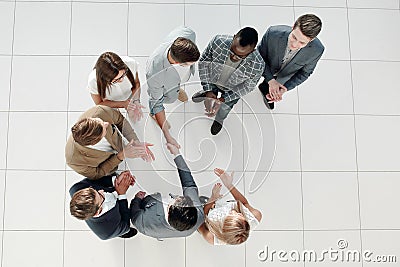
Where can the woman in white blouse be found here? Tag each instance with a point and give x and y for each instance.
(228, 222)
(114, 82)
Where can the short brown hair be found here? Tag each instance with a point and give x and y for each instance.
(184, 50)
(82, 205)
(87, 131)
(309, 25)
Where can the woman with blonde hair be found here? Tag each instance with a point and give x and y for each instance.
(228, 223)
(114, 82)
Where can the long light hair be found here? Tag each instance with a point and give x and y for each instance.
(235, 228)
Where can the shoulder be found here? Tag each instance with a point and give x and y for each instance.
(188, 33)
(79, 186)
(155, 62)
(221, 41)
(92, 81)
(256, 60)
(277, 31)
(317, 45)
(103, 112)
(131, 63)
(182, 31)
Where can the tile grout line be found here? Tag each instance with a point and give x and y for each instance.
(184, 136)
(211, 170)
(300, 157)
(355, 132)
(146, 56)
(8, 131)
(127, 30)
(66, 126)
(125, 163)
(243, 157)
(245, 113)
(184, 12)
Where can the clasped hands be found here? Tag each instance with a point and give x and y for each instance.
(212, 104)
(276, 90)
(134, 109)
(123, 181)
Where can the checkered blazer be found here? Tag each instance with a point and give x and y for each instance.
(211, 64)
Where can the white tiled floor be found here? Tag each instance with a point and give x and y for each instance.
(323, 167)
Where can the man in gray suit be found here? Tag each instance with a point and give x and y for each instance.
(170, 65)
(291, 55)
(173, 216)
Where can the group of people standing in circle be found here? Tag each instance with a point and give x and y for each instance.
(229, 68)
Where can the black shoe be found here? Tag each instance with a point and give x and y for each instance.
(132, 232)
(199, 97)
(216, 128)
(264, 88)
(271, 105)
(264, 91)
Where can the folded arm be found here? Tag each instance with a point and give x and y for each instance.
(245, 87)
(93, 173)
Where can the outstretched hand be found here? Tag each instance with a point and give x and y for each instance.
(135, 112)
(173, 149)
(226, 179)
(216, 192)
(148, 156)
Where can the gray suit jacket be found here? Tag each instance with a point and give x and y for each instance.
(272, 49)
(148, 214)
(160, 74)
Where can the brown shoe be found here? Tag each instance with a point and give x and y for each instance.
(182, 95)
(166, 122)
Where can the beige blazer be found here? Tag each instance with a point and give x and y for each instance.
(93, 163)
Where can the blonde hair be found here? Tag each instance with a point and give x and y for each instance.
(87, 131)
(235, 228)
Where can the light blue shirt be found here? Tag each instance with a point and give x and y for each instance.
(161, 76)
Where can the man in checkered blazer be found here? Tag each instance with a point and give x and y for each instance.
(230, 66)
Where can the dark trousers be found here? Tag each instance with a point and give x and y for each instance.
(264, 88)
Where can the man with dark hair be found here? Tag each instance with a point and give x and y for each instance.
(229, 66)
(95, 147)
(291, 55)
(173, 216)
(170, 65)
(103, 205)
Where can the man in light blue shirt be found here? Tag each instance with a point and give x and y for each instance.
(170, 65)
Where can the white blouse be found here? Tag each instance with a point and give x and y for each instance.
(118, 91)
